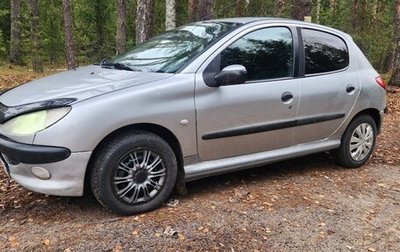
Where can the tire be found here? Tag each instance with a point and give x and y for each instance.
(134, 172)
(348, 154)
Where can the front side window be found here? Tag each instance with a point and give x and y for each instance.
(266, 54)
(324, 52)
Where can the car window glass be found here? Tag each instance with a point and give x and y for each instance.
(324, 52)
(266, 53)
(170, 51)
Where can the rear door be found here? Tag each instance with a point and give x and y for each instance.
(257, 115)
(330, 87)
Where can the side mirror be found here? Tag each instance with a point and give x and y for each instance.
(231, 75)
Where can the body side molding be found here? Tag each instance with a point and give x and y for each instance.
(271, 126)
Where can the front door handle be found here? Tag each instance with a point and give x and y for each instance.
(287, 97)
(350, 88)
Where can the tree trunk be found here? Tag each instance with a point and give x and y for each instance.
(239, 8)
(206, 9)
(121, 26)
(364, 15)
(318, 11)
(15, 36)
(144, 20)
(37, 64)
(170, 15)
(395, 78)
(100, 28)
(354, 20)
(389, 62)
(279, 7)
(301, 9)
(374, 9)
(192, 10)
(332, 5)
(52, 39)
(69, 44)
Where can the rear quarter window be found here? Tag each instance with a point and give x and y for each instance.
(324, 52)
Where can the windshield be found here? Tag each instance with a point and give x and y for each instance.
(168, 52)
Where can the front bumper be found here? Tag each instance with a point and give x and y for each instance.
(67, 177)
(66, 170)
(31, 154)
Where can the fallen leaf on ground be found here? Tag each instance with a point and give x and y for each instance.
(13, 241)
(117, 248)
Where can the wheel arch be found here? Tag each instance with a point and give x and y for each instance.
(374, 113)
(161, 131)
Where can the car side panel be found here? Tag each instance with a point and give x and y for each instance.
(167, 103)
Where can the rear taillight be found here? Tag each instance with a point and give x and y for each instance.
(380, 82)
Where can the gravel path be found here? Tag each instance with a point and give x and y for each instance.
(306, 204)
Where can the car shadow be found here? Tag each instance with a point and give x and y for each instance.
(87, 208)
(320, 162)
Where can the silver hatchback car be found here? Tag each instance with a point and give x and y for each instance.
(204, 99)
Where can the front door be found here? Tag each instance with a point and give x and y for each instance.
(255, 116)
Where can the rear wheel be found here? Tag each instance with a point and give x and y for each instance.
(357, 143)
(135, 172)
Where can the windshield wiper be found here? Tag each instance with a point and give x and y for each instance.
(119, 66)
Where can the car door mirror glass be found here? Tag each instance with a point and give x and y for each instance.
(231, 75)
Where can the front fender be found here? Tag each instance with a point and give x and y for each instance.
(161, 103)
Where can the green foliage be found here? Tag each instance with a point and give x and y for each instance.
(4, 28)
(94, 29)
(94, 25)
(51, 24)
(373, 32)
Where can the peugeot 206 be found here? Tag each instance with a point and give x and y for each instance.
(203, 99)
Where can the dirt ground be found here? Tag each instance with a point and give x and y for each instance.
(306, 204)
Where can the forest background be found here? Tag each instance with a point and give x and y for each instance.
(43, 34)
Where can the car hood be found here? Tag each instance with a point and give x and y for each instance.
(80, 84)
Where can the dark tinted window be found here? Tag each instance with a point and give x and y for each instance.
(266, 53)
(324, 52)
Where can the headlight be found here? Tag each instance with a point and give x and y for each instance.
(31, 123)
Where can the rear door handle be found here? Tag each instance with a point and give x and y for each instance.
(350, 88)
(287, 97)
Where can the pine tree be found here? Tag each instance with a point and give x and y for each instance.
(144, 20)
(69, 46)
(170, 14)
(192, 6)
(15, 36)
(395, 79)
(301, 9)
(121, 26)
(206, 11)
(37, 64)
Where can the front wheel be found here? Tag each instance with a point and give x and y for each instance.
(358, 142)
(134, 172)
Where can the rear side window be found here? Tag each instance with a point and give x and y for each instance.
(266, 54)
(324, 52)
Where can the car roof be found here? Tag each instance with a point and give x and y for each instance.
(247, 20)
